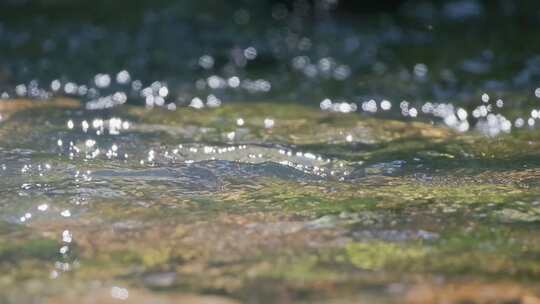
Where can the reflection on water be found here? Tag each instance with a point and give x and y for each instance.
(210, 152)
(416, 63)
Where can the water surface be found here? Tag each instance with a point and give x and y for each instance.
(281, 155)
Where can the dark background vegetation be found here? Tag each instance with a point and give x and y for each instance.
(72, 40)
(126, 11)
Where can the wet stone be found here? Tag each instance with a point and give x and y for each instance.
(169, 207)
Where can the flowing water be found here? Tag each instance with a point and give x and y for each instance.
(242, 152)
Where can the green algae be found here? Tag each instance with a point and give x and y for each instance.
(294, 124)
(486, 251)
(376, 255)
(38, 249)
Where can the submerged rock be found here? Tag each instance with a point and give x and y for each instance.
(319, 204)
